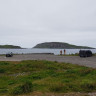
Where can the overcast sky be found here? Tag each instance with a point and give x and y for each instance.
(29, 22)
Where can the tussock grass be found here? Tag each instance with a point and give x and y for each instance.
(45, 76)
(24, 88)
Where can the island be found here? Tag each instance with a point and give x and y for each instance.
(60, 45)
(10, 46)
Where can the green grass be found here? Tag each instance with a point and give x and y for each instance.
(76, 54)
(45, 76)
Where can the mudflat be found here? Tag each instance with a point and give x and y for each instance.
(89, 61)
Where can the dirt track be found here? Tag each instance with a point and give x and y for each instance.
(90, 61)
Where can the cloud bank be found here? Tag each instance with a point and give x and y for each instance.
(28, 22)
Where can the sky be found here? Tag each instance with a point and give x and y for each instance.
(28, 22)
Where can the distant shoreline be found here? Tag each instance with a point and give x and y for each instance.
(42, 51)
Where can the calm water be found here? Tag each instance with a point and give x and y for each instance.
(36, 50)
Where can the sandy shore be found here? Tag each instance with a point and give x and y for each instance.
(90, 61)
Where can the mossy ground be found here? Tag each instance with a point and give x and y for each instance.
(46, 76)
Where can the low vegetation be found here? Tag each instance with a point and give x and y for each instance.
(10, 46)
(76, 54)
(46, 77)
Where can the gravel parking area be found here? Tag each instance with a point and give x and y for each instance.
(89, 61)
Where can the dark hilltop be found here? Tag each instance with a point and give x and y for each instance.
(60, 45)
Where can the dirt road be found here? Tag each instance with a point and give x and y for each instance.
(89, 62)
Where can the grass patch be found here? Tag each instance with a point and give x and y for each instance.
(24, 88)
(45, 76)
(76, 54)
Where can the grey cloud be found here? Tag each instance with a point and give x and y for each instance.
(38, 20)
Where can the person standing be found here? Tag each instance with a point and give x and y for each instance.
(64, 51)
(60, 52)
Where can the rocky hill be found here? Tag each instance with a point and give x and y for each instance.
(10, 46)
(60, 45)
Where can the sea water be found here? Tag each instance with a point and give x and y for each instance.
(40, 50)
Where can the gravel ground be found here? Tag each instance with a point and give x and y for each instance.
(89, 61)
